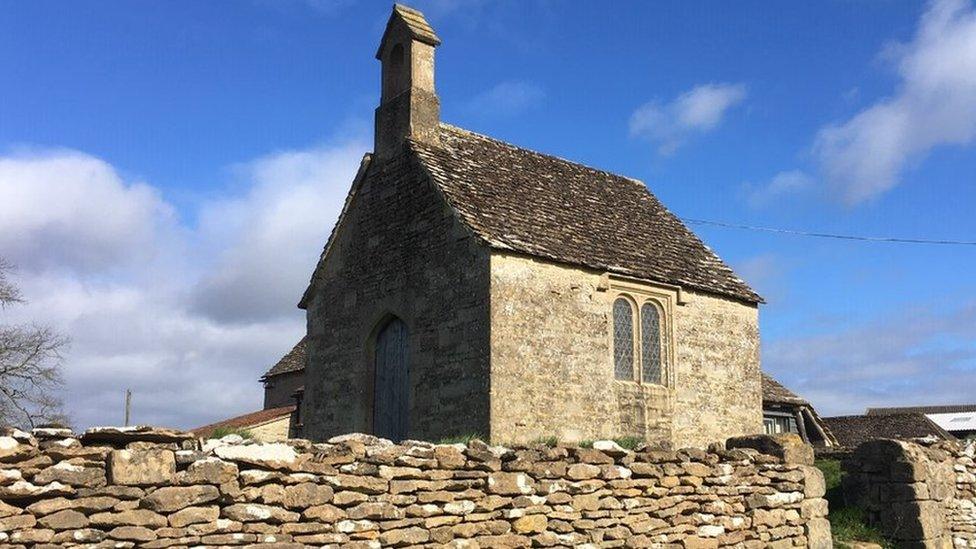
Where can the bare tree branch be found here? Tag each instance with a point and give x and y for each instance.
(9, 294)
(30, 366)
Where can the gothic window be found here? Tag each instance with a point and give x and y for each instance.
(623, 339)
(641, 337)
(651, 348)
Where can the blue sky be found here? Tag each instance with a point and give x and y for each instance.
(171, 169)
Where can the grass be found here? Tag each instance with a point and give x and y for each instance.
(462, 439)
(629, 443)
(847, 522)
(551, 442)
(221, 432)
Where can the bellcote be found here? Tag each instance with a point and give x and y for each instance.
(409, 106)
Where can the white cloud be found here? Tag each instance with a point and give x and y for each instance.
(913, 356)
(507, 99)
(67, 209)
(934, 105)
(188, 317)
(269, 239)
(783, 184)
(696, 111)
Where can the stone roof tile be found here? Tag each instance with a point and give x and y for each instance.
(851, 431)
(774, 392)
(938, 409)
(536, 204)
(293, 361)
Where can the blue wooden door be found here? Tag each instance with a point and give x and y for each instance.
(391, 395)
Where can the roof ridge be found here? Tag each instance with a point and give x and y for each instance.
(459, 129)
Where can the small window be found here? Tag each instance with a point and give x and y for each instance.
(651, 348)
(623, 339)
(775, 424)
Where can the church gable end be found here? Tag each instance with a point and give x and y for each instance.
(399, 253)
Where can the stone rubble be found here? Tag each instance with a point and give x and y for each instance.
(145, 487)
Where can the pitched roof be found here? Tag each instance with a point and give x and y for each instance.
(774, 392)
(851, 431)
(415, 23)
(247, 420)
(520, 200)
(293, 361)
(945, 409)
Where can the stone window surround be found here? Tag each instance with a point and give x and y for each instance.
(663, 296)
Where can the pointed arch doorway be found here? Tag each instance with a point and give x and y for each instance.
(391, 391)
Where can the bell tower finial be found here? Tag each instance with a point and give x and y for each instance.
(409, 106)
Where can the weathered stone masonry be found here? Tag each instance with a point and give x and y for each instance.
(552, 371)
(920, 495)
(151, 488)
(400, 251)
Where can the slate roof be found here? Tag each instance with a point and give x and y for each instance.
(247, 420)
(293, 361)
(774, 392)
(851, 431)
(519, 200)
(947, 409)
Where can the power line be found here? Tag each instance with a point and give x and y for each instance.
(830, 235)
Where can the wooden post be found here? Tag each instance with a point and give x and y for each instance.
(128, 403)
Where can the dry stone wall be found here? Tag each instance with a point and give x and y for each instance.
(127, 487)
(920, 494)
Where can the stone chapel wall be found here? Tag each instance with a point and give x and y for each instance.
(126, 487)
(400, 251)
(552, 372)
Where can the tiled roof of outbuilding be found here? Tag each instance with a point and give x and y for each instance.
(851, 431)
(524, 201)
(939, 409)
(253, 419)
(774, 392)
(293, 361)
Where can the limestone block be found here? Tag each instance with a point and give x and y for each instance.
(274, 455)
(814, 485)
(64, 520)
(209, 471)
(12, 450)
(913, 520)
(132, 533)
(72, 474)
(141, 467)
(509, 484)
(404, 536)
(817, 531)
(194, 515)
(83, 535)
(174, 498)
(23, 490)
(136, 517)
(17, 522)
(787, 446)
(253, 512)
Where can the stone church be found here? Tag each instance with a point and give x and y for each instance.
(471, 286)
